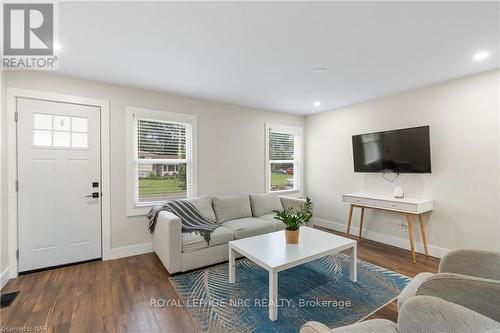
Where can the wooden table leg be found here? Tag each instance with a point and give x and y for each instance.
(361, 221)
(422, 231)
(410, 232)
(350, 219)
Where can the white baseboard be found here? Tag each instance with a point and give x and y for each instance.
(131, 250)
(403, 243)
(4, 277)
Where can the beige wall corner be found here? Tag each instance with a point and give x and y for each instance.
(463, 115)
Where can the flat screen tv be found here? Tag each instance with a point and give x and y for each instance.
(400, 151)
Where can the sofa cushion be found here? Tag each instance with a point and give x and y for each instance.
(278, 225)
(204, 205)
(231, 207)
(265, 203)
(193, 242)
(247, 227)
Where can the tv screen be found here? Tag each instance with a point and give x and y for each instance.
(401, 151)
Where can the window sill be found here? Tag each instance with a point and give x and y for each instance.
(287, 191)
(140, 210)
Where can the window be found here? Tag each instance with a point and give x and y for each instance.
(163, 163)
(59, 131)
(283, 164)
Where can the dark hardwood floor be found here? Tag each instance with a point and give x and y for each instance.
(115, 296)
(395, 259)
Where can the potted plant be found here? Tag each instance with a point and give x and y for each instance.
(293, 219)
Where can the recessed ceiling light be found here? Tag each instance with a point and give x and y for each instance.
(481, 56)
(57, 46)
(317, 103)
(319, 70)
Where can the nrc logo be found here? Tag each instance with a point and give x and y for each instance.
(28, 29)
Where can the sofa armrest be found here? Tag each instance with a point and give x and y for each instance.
(314, 327)
(423, 314)
(480, 295)
(483, 264)
(295, 203)
(410, 290)
(167, 241)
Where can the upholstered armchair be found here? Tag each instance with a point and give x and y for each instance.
(420, 314)
(470, 278)
(464, 296)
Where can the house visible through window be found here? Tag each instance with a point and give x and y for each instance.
(283, 153)
(163, 160)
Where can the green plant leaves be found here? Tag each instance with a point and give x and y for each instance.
(292, 218)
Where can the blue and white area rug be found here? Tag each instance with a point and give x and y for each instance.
(319, 290)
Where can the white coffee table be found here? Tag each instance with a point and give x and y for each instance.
(270, 251)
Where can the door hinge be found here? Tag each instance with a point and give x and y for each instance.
(17, 185)
(16, 115)
(17, 253)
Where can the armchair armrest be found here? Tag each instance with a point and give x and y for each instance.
(295, 203)
(423, 314)
(167, 241)
(483, 264)
(314, 327)
(480, 295)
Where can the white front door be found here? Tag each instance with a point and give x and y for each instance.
(59, 205)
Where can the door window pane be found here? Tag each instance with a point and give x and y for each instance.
(42, 138)
(78, 124)
(42, 121)
(61, 123)
(61, 139)
(60, 131)
(79, 140)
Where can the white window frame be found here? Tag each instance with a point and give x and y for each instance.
(133, 114)
(298, 165)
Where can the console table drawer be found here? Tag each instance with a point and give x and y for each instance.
(360, 201)
(408, 207)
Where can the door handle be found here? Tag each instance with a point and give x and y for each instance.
(93, 195)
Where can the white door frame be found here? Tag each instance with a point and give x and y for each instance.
(12, 95)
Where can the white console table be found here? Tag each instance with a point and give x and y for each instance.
(409, 206)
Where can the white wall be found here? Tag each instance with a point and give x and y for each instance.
(463, 116)
(464, 119)
(230, 141)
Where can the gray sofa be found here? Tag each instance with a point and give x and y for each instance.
(239, 216)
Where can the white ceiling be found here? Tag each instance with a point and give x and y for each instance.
(262, 54)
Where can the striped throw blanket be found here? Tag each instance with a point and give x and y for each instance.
(191, 218)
